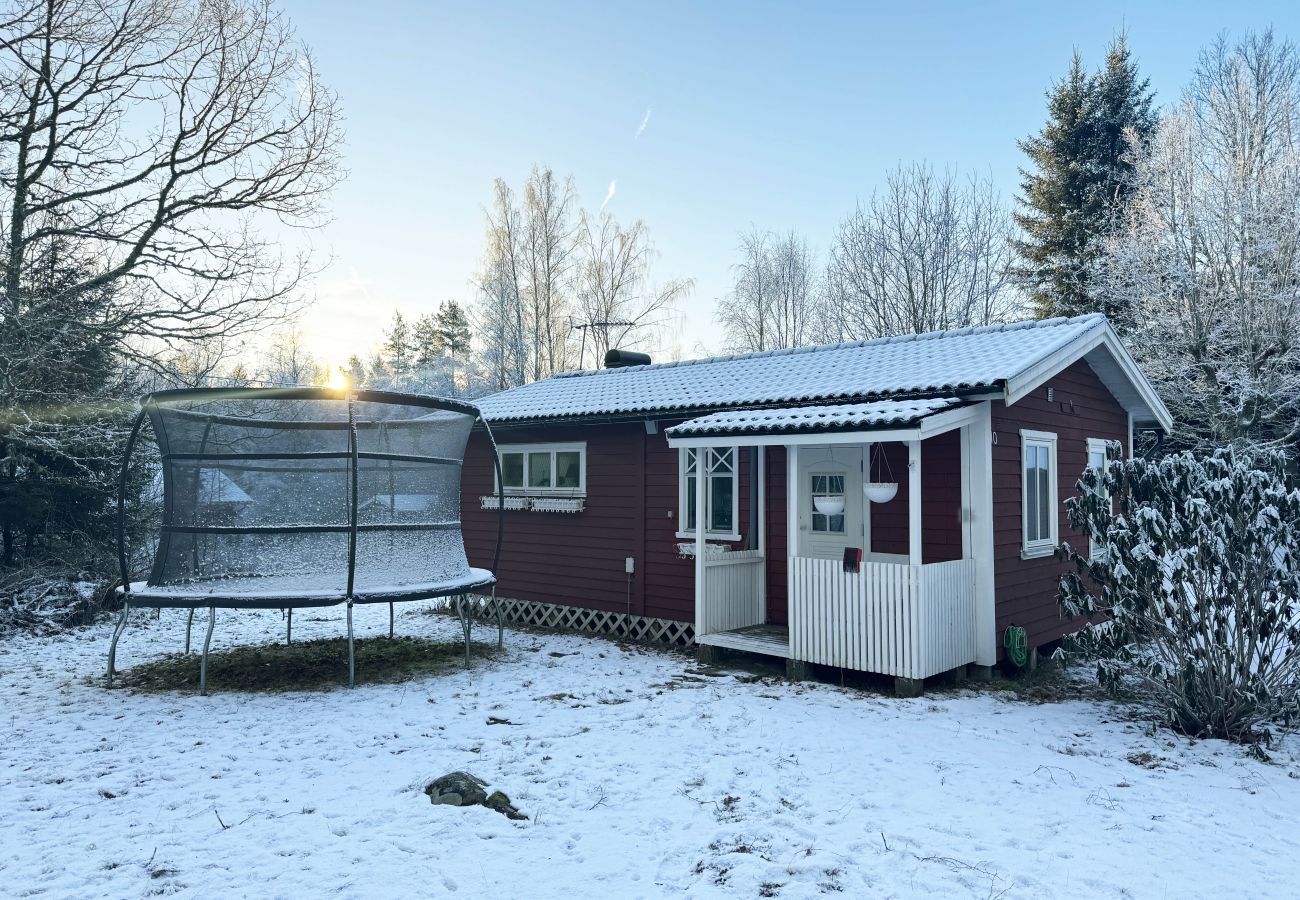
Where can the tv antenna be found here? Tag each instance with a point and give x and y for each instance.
(603, 326)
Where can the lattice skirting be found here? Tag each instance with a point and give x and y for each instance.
(642, 629)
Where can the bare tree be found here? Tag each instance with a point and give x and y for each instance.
(502, 309)
(928, 252)
(1208, 253)
(143, 137)
(142, 143)
(548, 253)
(290, 361)
(620, 306)
(774, 297)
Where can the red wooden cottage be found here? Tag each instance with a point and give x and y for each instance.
(889, 506)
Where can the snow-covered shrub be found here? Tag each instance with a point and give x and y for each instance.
(1191, 586)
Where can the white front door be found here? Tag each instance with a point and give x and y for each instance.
(830, 473)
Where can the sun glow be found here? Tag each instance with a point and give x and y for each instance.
(338, 380)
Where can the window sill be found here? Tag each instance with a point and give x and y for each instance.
(1037, 552)
(709, 536)
(530, 493)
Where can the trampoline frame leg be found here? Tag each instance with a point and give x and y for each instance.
(501, 627)
(288, 630)
(463, 612)
(203, 662)
(352, 659)
(390, 621)
(117, 633)
(189, 624)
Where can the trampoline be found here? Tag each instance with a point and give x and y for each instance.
(280, 498)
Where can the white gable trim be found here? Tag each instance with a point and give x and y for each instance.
(1101, 337)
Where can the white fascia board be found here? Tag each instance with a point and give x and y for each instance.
(796, 440)
(949, 420)
(1022, 383)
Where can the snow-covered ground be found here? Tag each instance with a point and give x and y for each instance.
(641, 778)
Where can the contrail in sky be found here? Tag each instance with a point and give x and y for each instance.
(644, 122)
(356, 278)
(609, 195)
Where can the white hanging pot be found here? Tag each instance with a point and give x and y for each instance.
(830, 505)
(879, 491)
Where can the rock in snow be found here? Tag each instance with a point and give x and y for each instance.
(463, 789)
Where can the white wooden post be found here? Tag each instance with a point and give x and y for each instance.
(791, 525)
(701, 457)
(914, 502)
(761, 512)
(979, 474)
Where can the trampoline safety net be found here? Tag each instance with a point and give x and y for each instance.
(305, 497)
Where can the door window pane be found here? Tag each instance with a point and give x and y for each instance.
(826, 486)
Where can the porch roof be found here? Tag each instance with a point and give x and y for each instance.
(813, 419)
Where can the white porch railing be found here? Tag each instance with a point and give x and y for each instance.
(890, 618)
(733, 592)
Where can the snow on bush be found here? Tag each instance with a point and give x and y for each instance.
(1191, 584)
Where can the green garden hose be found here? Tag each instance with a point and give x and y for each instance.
(1016, 644)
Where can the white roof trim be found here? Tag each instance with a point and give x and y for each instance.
(788, 419)
(852, 425)
(1101, 337)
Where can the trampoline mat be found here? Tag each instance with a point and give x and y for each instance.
(284, 592)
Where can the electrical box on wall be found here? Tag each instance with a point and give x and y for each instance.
(629, 565)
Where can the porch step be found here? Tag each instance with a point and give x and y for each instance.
(769, 640)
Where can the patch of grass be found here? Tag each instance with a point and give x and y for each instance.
(305, 665)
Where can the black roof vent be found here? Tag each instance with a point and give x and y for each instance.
(620, 359)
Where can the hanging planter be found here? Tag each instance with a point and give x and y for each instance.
(886, 489)
(829, 504)
(879, 491)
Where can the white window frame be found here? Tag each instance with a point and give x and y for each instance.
(1097, 445)
(1044, 546)
(579, 447)
(686, 500)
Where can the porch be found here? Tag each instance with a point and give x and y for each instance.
(893, 613)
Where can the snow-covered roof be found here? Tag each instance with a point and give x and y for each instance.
(1012, 358)
(810, 418)
(214, 487)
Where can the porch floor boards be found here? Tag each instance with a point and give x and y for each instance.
(769, 640)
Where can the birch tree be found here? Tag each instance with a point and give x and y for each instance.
(929, 251)
(619, 303)
(548, 252)
(502, 313)
(773, 299)
(1208, 254)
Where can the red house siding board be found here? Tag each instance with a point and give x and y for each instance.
(777, 547)
(574, 559)
(889, 520)
(1081, 408)
(941, 498)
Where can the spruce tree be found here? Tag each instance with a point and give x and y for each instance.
(1078, 178)
(397, 347)
(453, 329)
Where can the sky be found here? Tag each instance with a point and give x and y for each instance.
(709, 118)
